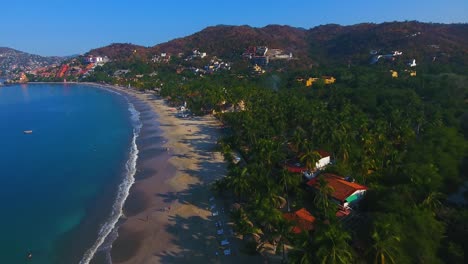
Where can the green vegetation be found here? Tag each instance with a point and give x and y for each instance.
(404, 138)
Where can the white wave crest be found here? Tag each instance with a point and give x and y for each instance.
(123, 191)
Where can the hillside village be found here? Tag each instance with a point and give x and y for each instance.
(199, 63)
(14, 63)
(397, 46)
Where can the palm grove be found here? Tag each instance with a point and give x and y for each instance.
(404, 138)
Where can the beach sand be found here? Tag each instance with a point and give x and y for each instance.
(169, 212)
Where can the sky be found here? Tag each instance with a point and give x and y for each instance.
(61, 27)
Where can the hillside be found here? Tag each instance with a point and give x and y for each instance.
(13, 60)
(121, 51)
(423, 41)
(326, 44)
(231, 41)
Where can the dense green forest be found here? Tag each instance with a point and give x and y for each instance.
(405, 138)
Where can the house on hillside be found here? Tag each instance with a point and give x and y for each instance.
(197, 54)
(311, 81)
(95, 59)
(328, 79)
(302, 220)
(345, 191)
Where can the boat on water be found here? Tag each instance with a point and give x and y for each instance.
(28, 131)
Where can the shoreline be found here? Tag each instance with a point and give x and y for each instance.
(168, 205)
(170, 215)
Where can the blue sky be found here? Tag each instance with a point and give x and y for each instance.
(60, 27)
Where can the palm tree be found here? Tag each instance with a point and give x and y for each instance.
(241, 222)
(267, 190)
(384, 243)
(432, 201)
(310, 156)
(322, 195)
(283, 230)
(267, 216)
(332, 244)
(268, 151)
(297, 139)
(290, 182)
(238, 181)
(303, 250)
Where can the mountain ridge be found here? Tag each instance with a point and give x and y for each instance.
(329, 44)
(324, 44)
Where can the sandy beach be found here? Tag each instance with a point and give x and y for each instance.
(171, 215)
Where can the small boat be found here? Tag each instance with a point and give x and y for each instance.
(28, 131)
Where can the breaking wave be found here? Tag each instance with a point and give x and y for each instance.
(123, 190)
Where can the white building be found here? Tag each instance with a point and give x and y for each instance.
(97, 59)
(319, 165)
(323, 161)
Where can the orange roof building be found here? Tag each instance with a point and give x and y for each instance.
(302, 219)
(295, 166)
(345, 192)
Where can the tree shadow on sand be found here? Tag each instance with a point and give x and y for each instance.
(198, 236)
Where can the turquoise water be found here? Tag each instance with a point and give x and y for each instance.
(53, 180)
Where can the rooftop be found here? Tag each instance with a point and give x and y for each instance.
(342, 188)
(302, 219)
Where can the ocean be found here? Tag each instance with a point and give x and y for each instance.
(63, 185)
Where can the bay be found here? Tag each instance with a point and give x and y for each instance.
(61, 178)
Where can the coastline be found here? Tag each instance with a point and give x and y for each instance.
(167, 215)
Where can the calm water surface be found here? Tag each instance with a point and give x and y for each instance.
(58, 182)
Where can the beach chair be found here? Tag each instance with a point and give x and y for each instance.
(227, 252)
(220, 232)
(215, 213)
(225, 242)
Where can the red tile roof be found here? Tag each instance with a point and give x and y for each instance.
(342, 188)
(303, 220)
(323, 153)
(294, 166)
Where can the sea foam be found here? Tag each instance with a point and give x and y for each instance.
(123, 190)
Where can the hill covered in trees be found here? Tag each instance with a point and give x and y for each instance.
(327, 44)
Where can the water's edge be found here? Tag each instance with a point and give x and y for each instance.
(109, 226)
